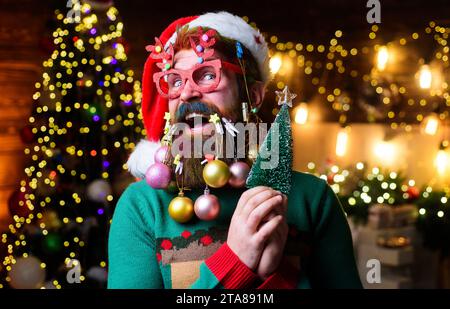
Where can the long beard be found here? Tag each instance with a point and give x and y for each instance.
(192, 176)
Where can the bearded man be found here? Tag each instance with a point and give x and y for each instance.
(204, 66)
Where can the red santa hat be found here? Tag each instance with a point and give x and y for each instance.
(154, 106)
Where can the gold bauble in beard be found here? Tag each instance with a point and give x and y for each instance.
(181, 209)
(216, 173)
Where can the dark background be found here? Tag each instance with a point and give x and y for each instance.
(311, 21)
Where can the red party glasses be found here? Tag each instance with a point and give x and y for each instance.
(203, 77)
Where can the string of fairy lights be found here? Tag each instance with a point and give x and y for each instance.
(315, 63)
(76, 54)
(342, 60)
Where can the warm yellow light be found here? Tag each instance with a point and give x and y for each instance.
(441, 161)
(385, 151)
(341, 142)
(301, 115)
(425, 77)
(382, 58)
(431, 124)
(275, 64)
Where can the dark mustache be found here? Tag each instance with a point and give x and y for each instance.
(195, 107)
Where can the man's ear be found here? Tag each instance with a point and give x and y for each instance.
(257, 91)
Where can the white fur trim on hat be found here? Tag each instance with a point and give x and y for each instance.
(234, 27)
(142, 157)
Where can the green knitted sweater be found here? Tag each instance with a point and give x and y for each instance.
(147, 249)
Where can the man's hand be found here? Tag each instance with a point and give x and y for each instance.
(248, 234)
(273, 252)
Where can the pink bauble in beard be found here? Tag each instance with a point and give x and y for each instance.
(161, 153)
(158, 176)
(207, 207)
(239, 173)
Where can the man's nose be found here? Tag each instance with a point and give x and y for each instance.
(189, 93)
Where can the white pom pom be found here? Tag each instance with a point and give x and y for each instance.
(142, 157)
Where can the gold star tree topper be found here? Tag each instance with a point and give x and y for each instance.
(285, 96)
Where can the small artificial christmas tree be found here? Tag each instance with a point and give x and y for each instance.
(277, 145)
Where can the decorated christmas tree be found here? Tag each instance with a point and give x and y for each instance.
(83, 124)
(273, 165)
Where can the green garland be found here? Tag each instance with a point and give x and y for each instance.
(380, 188)
(359, 189)
(434, 220)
